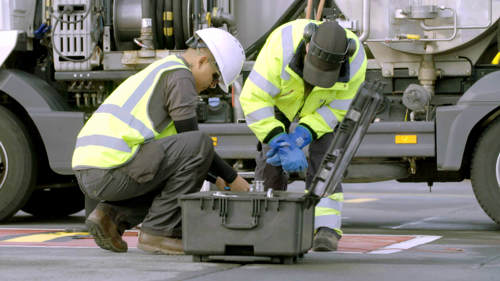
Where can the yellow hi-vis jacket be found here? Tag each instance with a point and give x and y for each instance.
(273, 83)
(113, 134)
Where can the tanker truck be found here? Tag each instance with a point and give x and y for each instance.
(439, 121)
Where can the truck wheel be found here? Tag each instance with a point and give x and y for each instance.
(485, 171)
(55, 202)
(17, 164)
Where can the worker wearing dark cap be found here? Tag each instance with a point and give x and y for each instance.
(309, 72)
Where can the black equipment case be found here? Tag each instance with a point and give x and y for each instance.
(276, 225)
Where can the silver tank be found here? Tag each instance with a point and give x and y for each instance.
(255, 17)
(441, 24)
(400, 33)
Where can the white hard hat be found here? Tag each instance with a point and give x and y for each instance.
(227, 51)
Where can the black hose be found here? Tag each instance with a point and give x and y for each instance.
(178, 29)
(290, 14)
(39, 16)
(158, 24)
(187, 9)
(168, 25)
(185, 18)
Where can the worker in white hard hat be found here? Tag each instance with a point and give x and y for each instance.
(141, 149)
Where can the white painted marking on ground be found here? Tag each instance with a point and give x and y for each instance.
(413, 223)
(54, 246)
(417, 241)
(360, 200)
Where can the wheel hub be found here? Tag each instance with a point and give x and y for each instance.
(4, 167)
(498, 170)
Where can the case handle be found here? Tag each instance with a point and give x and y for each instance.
(224, 210)
(251, 225)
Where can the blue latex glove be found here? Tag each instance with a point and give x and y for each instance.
(272, 155)
(273, 158)
(291, 156)
(301, 136)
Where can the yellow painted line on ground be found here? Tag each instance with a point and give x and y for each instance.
(44, 237)
(360, 200)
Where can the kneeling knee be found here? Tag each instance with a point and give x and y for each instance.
(203, 142)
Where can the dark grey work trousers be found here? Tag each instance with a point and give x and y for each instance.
(147, 188)
(275, 178)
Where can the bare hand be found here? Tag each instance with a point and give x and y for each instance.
(239, 184)
(220, 183)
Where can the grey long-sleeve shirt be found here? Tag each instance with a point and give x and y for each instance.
(175, 99)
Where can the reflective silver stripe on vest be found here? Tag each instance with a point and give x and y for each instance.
(259, 114)
(287, 46)
(140, 91)
(106, 141)
(128, 119)
(341, 104)
(328, 116)
(263, 83)
(357, 62)
(330, 204)
(331, 221)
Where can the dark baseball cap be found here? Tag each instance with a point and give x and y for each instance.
(324, 58)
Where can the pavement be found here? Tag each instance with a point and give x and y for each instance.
(393, 231)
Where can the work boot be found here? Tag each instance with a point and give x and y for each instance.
(104, 230)
(325, 240)
(160, 244)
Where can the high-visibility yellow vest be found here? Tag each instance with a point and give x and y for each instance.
(272, 83)
(113, 134)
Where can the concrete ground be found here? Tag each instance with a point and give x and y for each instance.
(465, 245)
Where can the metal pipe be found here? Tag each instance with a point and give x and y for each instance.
(146, 38)
(197, 12)
(146, 9)
(444, 27)
(86, 100)
(109, 7)
(238, 115)
(187, 17)
(78, 102)
(422, 40)
(320, 9)
(427, 73)
(454, 31)
(94, 99)
(366, 21)
(219, 18)
(309, 9)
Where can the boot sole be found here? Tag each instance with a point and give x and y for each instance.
(154, 250)
(323, 245)
(101, 240)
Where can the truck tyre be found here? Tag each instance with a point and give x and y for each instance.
(485, 170)
(17, 164)
(55, 202)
